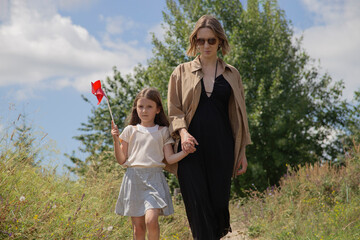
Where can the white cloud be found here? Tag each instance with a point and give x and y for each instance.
(40, 47)
(119, 24)
(159, 32)
(335, 38)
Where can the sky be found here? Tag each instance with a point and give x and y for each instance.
(50, 51)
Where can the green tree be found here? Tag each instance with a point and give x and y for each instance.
(351, 133)
(292, 109)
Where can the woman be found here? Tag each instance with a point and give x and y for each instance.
(207, 112)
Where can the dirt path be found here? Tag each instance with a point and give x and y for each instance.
(237, 234)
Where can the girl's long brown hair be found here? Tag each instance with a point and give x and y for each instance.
(154, 95)
(212, 23)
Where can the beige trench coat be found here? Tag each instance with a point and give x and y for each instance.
(184, 92)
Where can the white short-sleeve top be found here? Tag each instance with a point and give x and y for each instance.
(145, 145)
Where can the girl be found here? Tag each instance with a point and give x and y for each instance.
(144, 193)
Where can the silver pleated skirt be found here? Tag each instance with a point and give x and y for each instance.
(143, 189)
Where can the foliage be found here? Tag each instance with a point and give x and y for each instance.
(35, 203)
(294, 112)
(319, 201)
(24, 142)
(352, 132)
(292, 109)
(315, 202)
(20, 138)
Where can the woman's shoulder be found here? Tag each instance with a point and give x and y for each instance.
(231, 68)
(186, 66)
(231, 73)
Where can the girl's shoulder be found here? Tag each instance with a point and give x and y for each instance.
(163, 128)
(129, 129)
(127, 132)
(164, 131)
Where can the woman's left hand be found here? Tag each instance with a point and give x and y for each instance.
(243, 164)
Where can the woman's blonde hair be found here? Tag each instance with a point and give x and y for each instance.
(212, 23)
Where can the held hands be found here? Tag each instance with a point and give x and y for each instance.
(188, 142)
(243, 164)
(114, 130)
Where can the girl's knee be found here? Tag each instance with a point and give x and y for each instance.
(151, 219)
(139, 228)
(152, 223)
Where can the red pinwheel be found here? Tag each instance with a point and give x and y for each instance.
(99, 93)
(97, 90)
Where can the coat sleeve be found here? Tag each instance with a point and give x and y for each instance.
(246, 139)
(174, 99)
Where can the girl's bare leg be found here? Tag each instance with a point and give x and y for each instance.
(139, 227)
(152, 223)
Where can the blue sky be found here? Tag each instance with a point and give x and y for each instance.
(51, 50)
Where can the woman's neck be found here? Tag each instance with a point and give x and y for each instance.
(208, 61)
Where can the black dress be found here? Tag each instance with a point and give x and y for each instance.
(205, 175)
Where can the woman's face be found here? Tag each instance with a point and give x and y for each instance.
(207, 43)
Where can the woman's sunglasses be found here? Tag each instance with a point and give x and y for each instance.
(201, 41)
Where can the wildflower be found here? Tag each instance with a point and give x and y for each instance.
(54, 206)
(36, 217)
(110, 228)
(22, 198)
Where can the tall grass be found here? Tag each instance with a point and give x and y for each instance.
(35, 203)
(318, 201)
(315, 202)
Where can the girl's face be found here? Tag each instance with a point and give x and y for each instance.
(147, 110)
(207, 43)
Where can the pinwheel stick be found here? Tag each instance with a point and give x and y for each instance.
(107, 100)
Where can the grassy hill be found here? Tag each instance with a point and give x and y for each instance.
(35, 203)
(315, 202)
